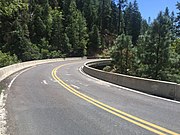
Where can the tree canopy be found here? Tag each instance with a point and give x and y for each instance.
(40, 29)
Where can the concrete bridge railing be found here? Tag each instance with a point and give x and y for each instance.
(155, 87)
(7, 71)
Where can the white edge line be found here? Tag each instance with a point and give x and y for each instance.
(3, 112)
(128, 89)
(10, 84)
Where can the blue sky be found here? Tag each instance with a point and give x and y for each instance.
(151, 8)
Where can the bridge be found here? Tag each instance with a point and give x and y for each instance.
(56, 97)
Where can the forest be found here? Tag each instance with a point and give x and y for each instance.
(41, 29)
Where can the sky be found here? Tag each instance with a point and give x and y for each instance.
(151, 8)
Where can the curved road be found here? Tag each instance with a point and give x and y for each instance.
(57, 99)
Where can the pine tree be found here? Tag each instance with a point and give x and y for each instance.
(64, 6)
(136, 25)
(76, 31)
(9, 12)
(114, 18)
(178, 20)
(166, 13)
(104, 15)
(144, 55)
(94, 41)
(82, 34)
(58, 35)
(173, 72)
(123, 54)
(47, 19)
(90, 12)
(16, 42)
(133, 21)
(121, 6)
(128, 19)
(144, 27)
(157, 47)
(16, 36)
(41, 21)
(53, 3)
(36, 26)
(57, 29)
(173, 25)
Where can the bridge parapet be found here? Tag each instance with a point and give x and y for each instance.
(8, 70)
(155, 87)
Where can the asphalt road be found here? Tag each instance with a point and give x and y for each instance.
(52, 100)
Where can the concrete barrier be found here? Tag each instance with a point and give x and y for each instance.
(177, 93)
(155, 87)
(7, 71)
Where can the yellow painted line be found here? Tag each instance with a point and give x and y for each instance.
(128, 117)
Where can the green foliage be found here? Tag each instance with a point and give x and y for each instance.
(14, 31)
(6, 59)
(144, 27)
(57, 30)
(128, 19)
(17, 40)
(89, 8)
(32, 52)
(121, 24)
(77, 31)
(8, 8)
(94, 41)
(156, 54)
(114, 18)
(107, 68)
(40, 29)
(123, 54)
(133, 21)
(160, 40)
(173, 73)
(56, 54)
(156, 58)
(104, 14)
(45, 53)
(40, 26)
(143, 49)
(178, 19)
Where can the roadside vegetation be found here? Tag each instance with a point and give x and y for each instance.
(41, 29)
(154, 52)
(6, 59)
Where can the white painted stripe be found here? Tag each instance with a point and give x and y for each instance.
(75, 86)
(10, 84)
(128, 89)
(3, 112)
(44, 81)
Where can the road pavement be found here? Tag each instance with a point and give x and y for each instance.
(58, 99)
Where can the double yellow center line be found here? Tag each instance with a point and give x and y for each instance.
(130, 118)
